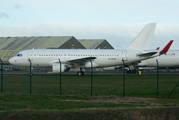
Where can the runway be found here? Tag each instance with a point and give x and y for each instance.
(87, 73)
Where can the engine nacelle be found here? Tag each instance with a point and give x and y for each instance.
(112, 68)
(56, 68)
(109, 68)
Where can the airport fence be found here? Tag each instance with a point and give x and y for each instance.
(102, 85)
(156, 84)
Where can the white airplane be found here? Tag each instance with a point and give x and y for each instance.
(79, 59)
(170, 59)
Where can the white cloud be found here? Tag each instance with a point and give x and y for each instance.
(118, 35)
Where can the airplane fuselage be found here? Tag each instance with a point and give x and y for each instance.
(46, 57)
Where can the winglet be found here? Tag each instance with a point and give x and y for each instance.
(166, 48)
(157, 48)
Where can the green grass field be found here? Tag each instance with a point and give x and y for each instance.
(135, 86)
(76, 101)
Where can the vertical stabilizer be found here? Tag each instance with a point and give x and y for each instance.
(144, 39)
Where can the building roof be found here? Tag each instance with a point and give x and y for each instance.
(23, 43)
(95, 43)
(91, 43)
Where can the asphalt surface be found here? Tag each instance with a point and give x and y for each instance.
(74, 73)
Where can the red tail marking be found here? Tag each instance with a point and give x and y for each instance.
(158, 48)
(166, 48)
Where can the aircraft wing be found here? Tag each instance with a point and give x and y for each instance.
(80, 60)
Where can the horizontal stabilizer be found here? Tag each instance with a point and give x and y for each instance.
(151, 53)
(146, 54)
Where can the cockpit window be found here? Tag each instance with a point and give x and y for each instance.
(19, 55)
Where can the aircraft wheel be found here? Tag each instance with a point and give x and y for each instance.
(134, 71)
(80, 73)
(129, 72)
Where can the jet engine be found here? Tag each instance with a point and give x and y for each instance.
(112, 68)
(109, 69)
(56, 68)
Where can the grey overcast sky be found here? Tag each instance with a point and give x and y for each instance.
(118, 21)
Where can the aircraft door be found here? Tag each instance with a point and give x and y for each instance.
(39, 60)
(124, 55)
(30, 56)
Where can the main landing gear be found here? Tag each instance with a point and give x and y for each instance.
(131, 71)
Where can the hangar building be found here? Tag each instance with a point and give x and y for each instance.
(95, 43)
(49, 42)
(10, 46)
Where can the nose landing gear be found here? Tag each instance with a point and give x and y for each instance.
(80, 73)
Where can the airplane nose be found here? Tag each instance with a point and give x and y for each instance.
(11, 60)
